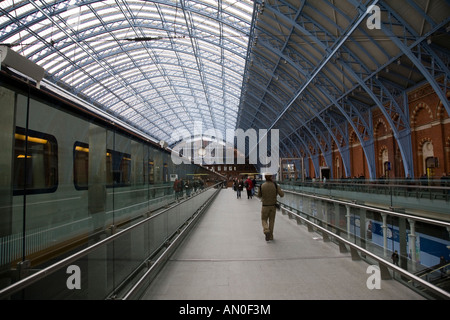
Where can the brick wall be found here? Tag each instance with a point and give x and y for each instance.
(430, 125)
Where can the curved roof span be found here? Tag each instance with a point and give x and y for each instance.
(319, 68)
(158, 65)
(313, 69)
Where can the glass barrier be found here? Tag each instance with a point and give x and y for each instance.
(70, 179)
(419, 194)
(110, 264)
(416, 244)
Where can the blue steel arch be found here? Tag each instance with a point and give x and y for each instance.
(264, 89)
(312, 91)
(313, 140)
(313, 135)
(262, 124)
(438, 66)
(368, 79)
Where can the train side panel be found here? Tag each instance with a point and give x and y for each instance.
(73, 175)
(57, 206)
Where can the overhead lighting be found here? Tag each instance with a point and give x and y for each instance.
(81, 149)
(30, 139)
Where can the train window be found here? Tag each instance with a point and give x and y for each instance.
(165, 172)
(81, 165)
(151, 172)
(118, 168)
(35, 162)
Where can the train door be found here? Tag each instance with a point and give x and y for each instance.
(97, 176)
(7, 123)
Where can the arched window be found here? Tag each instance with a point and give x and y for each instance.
(385, 162)
(427, 156)
(338, 168)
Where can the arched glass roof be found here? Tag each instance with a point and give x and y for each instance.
(313, 69)
(159, 65)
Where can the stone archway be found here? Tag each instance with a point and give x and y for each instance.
(425, 153)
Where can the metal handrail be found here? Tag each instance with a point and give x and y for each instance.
(403, 184)
(173, 244)
(429, 271)
(380, 260)
(21, 284)
(375, 209)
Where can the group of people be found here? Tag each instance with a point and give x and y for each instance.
(268, 193)
(180, 185)
(248, 184)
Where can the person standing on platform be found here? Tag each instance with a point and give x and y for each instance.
(249, 187)
(239, 186)
(395, 257)
(268, 193)
(188, 187)
(180, 187)
(175, 189)
(253, 185)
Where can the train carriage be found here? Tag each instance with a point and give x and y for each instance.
(74, 174)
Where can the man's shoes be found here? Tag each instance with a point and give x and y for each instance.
(271, 237)
(267, 236)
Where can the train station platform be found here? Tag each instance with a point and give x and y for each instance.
(226, 257)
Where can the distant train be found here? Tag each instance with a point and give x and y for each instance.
(67, 173)
(431, 243)
(428, 249)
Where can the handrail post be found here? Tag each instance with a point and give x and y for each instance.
(347, 215)
(384, 272)
(385, 233)
(412, 242)
(384, 265)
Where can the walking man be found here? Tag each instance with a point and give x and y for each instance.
(268, 193)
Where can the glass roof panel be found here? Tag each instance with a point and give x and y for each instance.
(159, 64)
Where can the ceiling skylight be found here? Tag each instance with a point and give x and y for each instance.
(161, 64)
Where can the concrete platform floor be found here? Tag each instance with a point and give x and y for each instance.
(226, 257)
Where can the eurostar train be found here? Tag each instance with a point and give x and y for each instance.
(68, 173)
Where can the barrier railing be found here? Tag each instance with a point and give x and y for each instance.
(414, 195)
(109, 265)
(155, 265)
(379, 229)
(355, 249)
